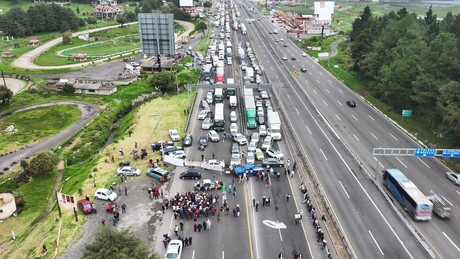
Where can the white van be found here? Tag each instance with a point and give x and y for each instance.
(267, 143)
(233, 102)
(233, 116)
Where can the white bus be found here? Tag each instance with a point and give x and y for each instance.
(219, 121)
(410, 197)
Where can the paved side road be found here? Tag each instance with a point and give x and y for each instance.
(89, 111)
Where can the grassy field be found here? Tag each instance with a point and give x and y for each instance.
(36, 125)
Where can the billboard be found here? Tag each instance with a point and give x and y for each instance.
(157, 34)
(185, 3)
(323, 12)
(66, 201)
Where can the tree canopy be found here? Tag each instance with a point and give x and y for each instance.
(5, 95)
(412, 63)
(164, 82)
(41, 164)
(117, 244)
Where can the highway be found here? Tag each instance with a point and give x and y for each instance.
(362, 129)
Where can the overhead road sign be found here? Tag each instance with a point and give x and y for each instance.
(425, 152)
(452, 153)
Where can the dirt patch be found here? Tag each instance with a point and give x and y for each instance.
(13, 84)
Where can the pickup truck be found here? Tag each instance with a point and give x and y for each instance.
(174, 135)
(249, 169)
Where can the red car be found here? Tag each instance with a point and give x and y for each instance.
(85, 206)
(284, 45)
(293, 58)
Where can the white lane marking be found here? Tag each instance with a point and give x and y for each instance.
(337, 117)
(329, 81)
(325, 103)
(371, 117)
(193, 254)
(289, 97)
(315, 91)
(306, 81)
(393, 136)
(325, 89)
(401, 162)
(373, 136)
(450, 240)
(279, 231)
(276, 76)
(309, 72)
(458, 192)
(317, 81)
(423, 162)
(355, 137)
(375, 241)
(323, 153)
(265, 55)
(297, 111)
(273, 68)
(354, 117)
(344, 190)
(223, 255)
(308, 129)
(379, 162)
(254, 225)
(339, 102)
(321, 73)
(340, 90)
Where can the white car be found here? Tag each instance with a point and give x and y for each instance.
(233, 117)
(105, 194)
(209, 98)
(240, 139)
(215, 163)
(233, 128)
(304, 54)
(213, 136)
(268, 103)
(177, 154)
(258, 79)
(174, 250)
(259, 103)
(262, 130)
(207, 123)
(250, 158)
(260, 111)
(455, 178)
(274, 153)
(255, 137)
(174, 135)
(128, 170)
(264, 94)
(202, 115)
(284, 58)
(252, 146)
(269, 109)
(235, 160)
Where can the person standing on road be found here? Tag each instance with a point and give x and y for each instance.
(190, 241)
(181, 225)
(94, 182)
(287, 197)
(176, 230)
(126, 191)
(264, 200)
(202, 157)
(253, 202)
(208, 223)
(186, 242)
(123, 208)
(257, 206)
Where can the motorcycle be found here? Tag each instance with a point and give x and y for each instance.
(201, 147)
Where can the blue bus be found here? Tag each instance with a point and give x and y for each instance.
(410, 197)
(207, 72)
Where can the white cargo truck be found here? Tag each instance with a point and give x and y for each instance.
(233, 102)
(274, 125)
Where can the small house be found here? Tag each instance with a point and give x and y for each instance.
(34, 42)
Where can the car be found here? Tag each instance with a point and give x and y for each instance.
(302, 69)
(235, 148)
(269, 109)
(281, 39)
(128, 171)
(190, 174)
(158, 173)
(258, 79)
(187, 141)
(268, 103)
(304, 54)
(105, 194)
(262, 130)
(259, 154)
(209, 98)
(293, 58)
(203, 141)
(351, 103)
(277, 40)
(207, 123)
(214, 163)
(259, 103)
(203, 114)
(235, 160)
(205, 185)
(274, 153)
(178, 154)
(255, 137)
(174, 135)
(233, 128)
(85, 206)
(233, 117)
(252, 146)
(260, 111)
(285, 45)
(161, 144)
(168, 149)
(240, 139)
(264, 94)
(257, 98)
(272, 162)
(284, 58)
(454, 177)
(250, 158)
(174, 250)
(260, 120)
(213, 136)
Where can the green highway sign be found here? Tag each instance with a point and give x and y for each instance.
(406, 113)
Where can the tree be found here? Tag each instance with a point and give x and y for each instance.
(91, 20)
(164, 82)
(361, 23)
(41, 164)
(121, 19)
(66, 37)
(201, 27)
(207, 4)
(448, 105)
(68, 88)
(78, 10)
(5, 95)
(361, 47)
(117, 244)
